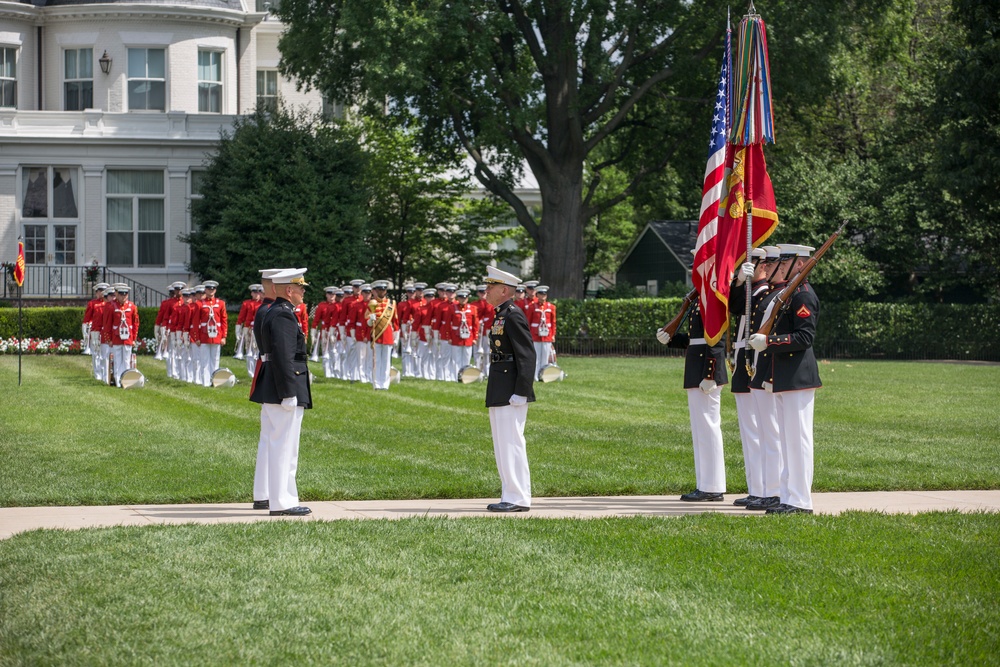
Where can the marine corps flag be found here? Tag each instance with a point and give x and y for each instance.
(747, 192)
(19, 265)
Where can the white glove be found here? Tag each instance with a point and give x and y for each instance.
(371, 319)
(662, 336)
(290, 402)
(745, 273)
(707, 386)
(395, 337)
(758, 342)
(518, 400)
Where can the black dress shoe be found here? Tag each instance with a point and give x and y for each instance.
(785, 508)
(743, 502)
(764, 503)
(261, 504)
(292, 511)
(506, 507)
(698, 496)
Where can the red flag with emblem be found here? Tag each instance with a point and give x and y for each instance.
(19, 265)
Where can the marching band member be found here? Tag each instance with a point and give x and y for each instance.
(176, 360)
(319, 316)
(162, 315)
(250, 351)
(358, 347)
(425, 346)
(121, 327)
(99, 347)
(88, 317)
(302, 314)
(440, 325)
(351, 371)
(464, 326)
(484, 311)
(530, 296)
(241, 323)
(382, 341)
(541, 317)
(213, 328)
(404, 312)
(331, 357)
(519, 299)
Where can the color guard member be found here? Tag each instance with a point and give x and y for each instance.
(542, 319)
(121, 326)
(464, 327)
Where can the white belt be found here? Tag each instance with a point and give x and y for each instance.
(697, 341)
(265, 357)
(740, 345)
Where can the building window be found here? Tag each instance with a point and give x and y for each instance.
(147, 79)
(267, 89)
(267, 5)
(136, 233)
(78, 73)
(8, 77)
(210, 81)
(48, 192)
(333, 110)
(34, 243)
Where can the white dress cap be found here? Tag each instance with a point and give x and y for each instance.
(794, 250)
(497, 277)
(290, 276)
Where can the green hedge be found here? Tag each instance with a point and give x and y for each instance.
(863, 330)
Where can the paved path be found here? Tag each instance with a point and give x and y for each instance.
(18, 519)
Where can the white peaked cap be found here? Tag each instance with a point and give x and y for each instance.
(290, 276)
(792, 249)
(498, 277)
(772, 251)
(758, 253)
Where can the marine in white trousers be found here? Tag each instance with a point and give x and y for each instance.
(444, 371)
(261, 480)
(746, 416)
(770, 442)
(280, 425)
(542, 353)
(461, 356)
(383, 359)
(507, 424)
(706, 433)
(795, 424)
(122, 355)
(97, 358)
(210, 355)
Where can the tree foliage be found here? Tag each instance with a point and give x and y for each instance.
(541, 83)
(282, 190)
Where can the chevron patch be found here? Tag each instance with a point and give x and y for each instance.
(803, 312)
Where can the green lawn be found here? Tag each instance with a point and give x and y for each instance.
(859, 589)
(614, 427)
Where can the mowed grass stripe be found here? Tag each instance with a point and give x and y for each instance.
(615, 426)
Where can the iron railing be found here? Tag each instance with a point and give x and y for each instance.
(824, 349)
(74, 282)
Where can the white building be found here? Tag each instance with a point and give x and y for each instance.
(107, 113)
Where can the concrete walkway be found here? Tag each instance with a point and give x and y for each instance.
(18, 519)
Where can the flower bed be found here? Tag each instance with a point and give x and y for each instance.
(62, 346)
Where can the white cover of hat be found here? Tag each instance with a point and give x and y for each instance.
(286, 276)
(495, 275)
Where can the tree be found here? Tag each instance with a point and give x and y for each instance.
(282, 190)
(511, 82)
(423, 225)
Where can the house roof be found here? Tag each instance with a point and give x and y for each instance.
(219, 4)
(679, 237)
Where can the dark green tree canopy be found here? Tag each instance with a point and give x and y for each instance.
(281, 191)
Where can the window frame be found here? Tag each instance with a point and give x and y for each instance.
(134, 231)
(164, 80)
(271, 106)
(220, 83)
(16, 51)
(78, 79)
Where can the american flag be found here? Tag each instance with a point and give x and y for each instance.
(703, 273)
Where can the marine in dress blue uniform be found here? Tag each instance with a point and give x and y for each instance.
(509, 389)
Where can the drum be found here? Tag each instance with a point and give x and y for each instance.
(551, 373)
(223, 377)
(132, 379)
(470, 374)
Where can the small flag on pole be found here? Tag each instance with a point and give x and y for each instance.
(19, 265)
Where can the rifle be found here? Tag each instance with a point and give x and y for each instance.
(674, 324)
(784, 296)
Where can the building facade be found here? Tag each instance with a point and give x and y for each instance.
(108, 112)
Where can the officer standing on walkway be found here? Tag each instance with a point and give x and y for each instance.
(282, 389)
(509, 390)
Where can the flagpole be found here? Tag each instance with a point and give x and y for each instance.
(20, 331)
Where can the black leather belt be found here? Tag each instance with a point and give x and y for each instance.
(501, 358)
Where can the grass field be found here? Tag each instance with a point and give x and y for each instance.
(614, 427)
(858, 589)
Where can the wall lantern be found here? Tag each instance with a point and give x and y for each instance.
(105, 62)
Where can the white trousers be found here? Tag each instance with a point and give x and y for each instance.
(542, 352)
(330, 358)
(425, 360)
(770, 442)
(351, 360)
(706, 434)
(97, 358)
(122, 355)
(106, 363)
(383, 359)
(251, 359)
(795, 423)
(283, 428)
(444, 364)
(461, 356)
(261, 489)
(209, 362)
(507, 424)
(746, 415)
(364, 361)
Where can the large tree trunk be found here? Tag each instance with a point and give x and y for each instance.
(561, 255)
